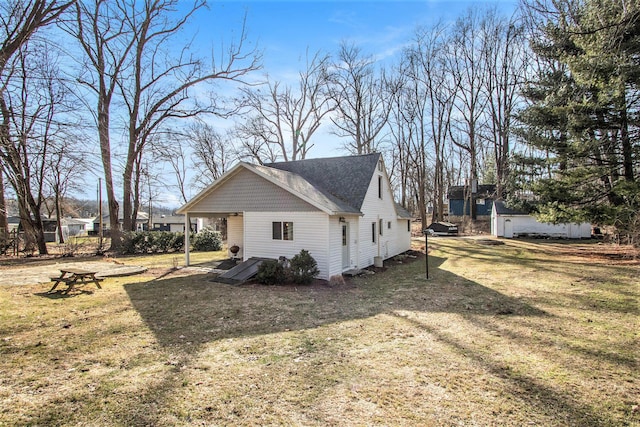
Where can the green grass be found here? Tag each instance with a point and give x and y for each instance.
(527, 333)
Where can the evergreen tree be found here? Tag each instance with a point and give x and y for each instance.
(583, 112)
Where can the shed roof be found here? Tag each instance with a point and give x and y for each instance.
(502, 209)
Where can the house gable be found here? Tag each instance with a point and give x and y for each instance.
(244, 190)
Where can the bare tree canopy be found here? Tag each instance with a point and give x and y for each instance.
(29, 98)
(129, 55)
(283, 119)
(362, 97)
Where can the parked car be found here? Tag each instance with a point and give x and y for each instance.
(442, 228)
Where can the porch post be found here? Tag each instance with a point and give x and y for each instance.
(187, 232)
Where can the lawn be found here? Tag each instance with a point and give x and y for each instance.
(526, 333)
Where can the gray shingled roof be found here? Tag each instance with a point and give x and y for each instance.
(502, 209)
(344, 180)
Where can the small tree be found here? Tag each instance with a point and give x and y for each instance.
(303, 268)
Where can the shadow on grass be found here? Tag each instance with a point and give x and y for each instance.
(534, 393)
(194, 310)
(62, 294)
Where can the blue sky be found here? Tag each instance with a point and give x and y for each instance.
(285, 30)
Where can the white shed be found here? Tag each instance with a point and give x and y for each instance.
(510, 223)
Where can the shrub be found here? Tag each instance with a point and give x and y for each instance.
(142, 242)
(134, 242)
(161, 241)
(303, 268)
(271, 272)
(177, 242)
(207, 240)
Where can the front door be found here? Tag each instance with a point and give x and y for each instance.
(345, 246)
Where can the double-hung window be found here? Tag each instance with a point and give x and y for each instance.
(282, 230)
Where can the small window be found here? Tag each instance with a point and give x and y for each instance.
(381, 224)
(389, 225)
(287, 231)
(277, 231)
(282, 230)
(373, 232)
(380, 187)
(409, 225)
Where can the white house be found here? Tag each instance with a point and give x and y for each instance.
(340, 209)
(510, 223)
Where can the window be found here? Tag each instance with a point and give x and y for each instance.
(380, 187)
(373, 232)
(381, 224)
(409, 225)
(389, 225)
(282, 230)
(380, 165)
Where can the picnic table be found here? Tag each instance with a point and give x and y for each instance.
(75, 276)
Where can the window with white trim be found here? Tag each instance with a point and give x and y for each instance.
(282, 230)
(373, 232)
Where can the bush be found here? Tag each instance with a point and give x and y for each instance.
(303, 268)
(143, 242)
(134, 242)
(161, 241)
(207, 240)
(177, 242)
(271, 272)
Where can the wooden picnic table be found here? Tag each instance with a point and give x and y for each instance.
(75, 276)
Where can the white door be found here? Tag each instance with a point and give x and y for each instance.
(508, 229)
(346, 263)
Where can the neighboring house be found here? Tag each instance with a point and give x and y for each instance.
(142, 222)
(173, 223)
(510, 223)
(340, 209)
(484, 198)
(75, 226)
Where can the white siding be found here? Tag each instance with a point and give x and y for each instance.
(335, 244)
(374, 209)
(246, 191)
(310, 232)
(235, 234)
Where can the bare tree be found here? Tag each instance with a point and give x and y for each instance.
(286, 118)
(126, 43)
(469, 72)
(506, 66)
(19, 21)
(430, 71)
(213, 152)
(158, 86)
(31, 104)
(363, 99)
(106, 43)
(65, 168)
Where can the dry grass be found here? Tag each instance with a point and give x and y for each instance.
(527, 333)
